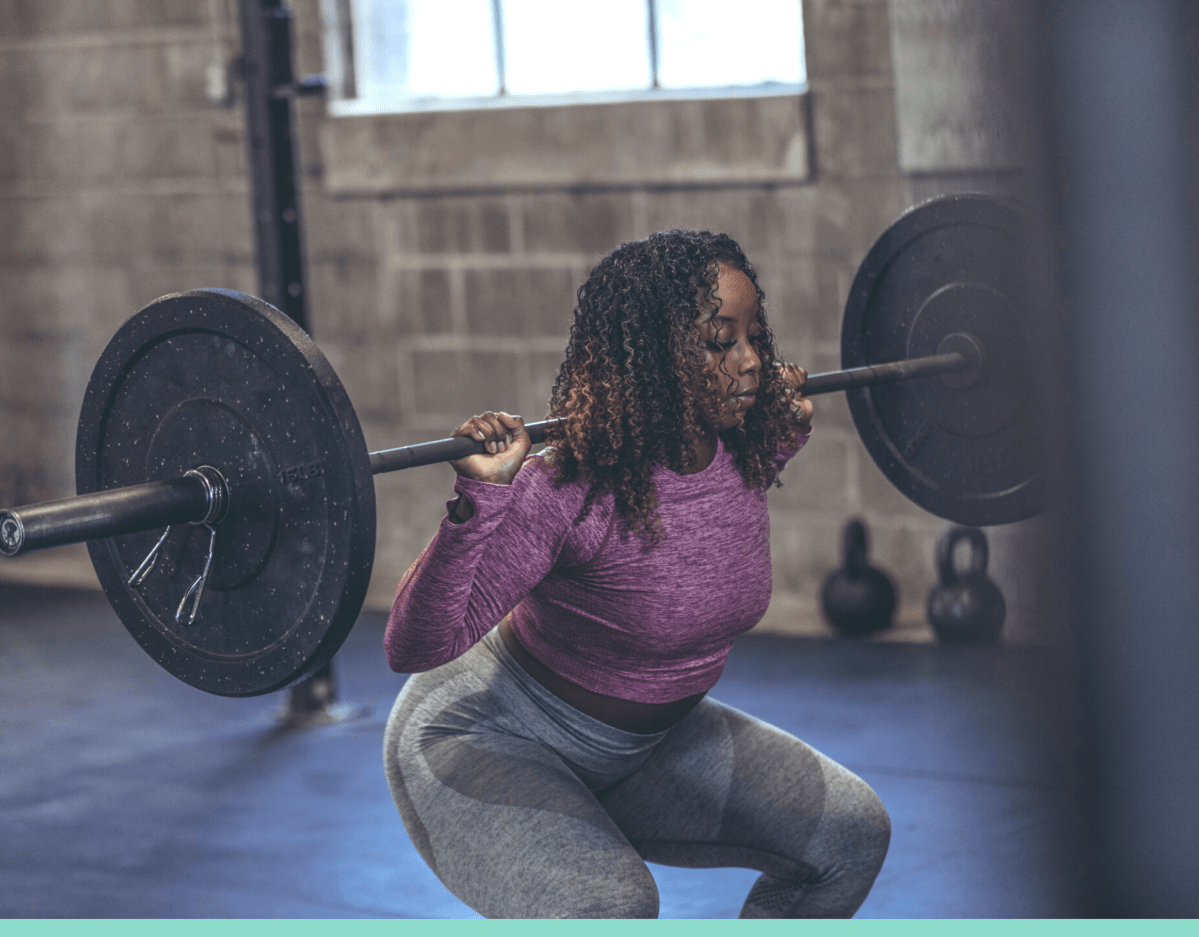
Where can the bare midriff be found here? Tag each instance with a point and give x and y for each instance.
(629, 715)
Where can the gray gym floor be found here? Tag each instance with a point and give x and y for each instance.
(125, 793)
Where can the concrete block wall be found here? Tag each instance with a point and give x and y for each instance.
(119, 182)
(124, 183)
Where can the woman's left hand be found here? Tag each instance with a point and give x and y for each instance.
(801, 407)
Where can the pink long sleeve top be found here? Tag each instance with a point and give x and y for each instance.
(596, 604)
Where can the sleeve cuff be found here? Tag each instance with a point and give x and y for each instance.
(488, 500)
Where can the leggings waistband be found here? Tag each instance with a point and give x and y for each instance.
(618, 742)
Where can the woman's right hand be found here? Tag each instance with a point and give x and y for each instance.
(507, 443)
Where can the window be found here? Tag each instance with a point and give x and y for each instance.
(413, 55)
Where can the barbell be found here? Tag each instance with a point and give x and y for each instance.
(225, 489)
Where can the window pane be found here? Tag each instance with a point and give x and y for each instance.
(552, 46)
(710, 43)
(419, 48)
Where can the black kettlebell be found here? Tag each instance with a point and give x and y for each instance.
(965, 608)
(857, 598)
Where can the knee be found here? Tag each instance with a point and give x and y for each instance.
(626, 892)
(871, 830)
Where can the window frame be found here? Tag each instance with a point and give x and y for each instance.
(343, 100)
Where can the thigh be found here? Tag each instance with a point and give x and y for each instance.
(499, 818)
(726, 789)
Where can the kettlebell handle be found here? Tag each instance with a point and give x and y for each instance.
(855, 548)
(977, 569)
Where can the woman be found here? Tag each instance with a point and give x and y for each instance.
(539, 763)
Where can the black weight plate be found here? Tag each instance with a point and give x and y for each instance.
(970, 454)
(215, 377)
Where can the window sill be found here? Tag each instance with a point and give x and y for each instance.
(714, 141)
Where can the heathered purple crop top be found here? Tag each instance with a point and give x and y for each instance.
(593, 602)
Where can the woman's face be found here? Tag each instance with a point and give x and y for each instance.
(725, 333)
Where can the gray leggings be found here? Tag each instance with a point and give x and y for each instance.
(525, 807)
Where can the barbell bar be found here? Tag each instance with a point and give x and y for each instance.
(200, 495)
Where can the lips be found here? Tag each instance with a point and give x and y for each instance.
(746, 400)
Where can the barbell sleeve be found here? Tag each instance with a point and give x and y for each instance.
(104, 514)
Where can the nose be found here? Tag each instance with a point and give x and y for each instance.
(750, 362)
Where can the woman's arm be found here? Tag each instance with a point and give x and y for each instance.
(500, 538)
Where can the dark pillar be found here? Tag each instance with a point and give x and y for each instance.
(1114, 85)
(271, 89)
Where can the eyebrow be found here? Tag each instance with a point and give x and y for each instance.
(722, 319)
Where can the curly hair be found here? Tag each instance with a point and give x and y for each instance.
(634, 390)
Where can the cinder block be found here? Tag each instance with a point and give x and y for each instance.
(855, 130)
(369, 373)
(458, 385)
(45, 230)
(879, 496)
(730, 211)
(165, 148)
(519, 301)
(30, 372)
(184, 71)
(410, 505)
(462, 225)
(399, 226)
(341, 228)
(150, 282)
(752, 139)
(816, 480)
(62, 151)
(804, 548)
(18, 77)
(208, 227)
(425, 300)
(344, 300)
(51, 303)
(541, 372)
(846, 38)
(167, 12)
(229, 148)
(1024, 564)
(805, 306)
(592, 223)
(832, 414)
(92, 303)
(810, 219)
(95, 80)
(30, 18)
(794, 300)
(42, 443)
(762, 236)
(907, 552)
(117, 228)
(840, 219)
